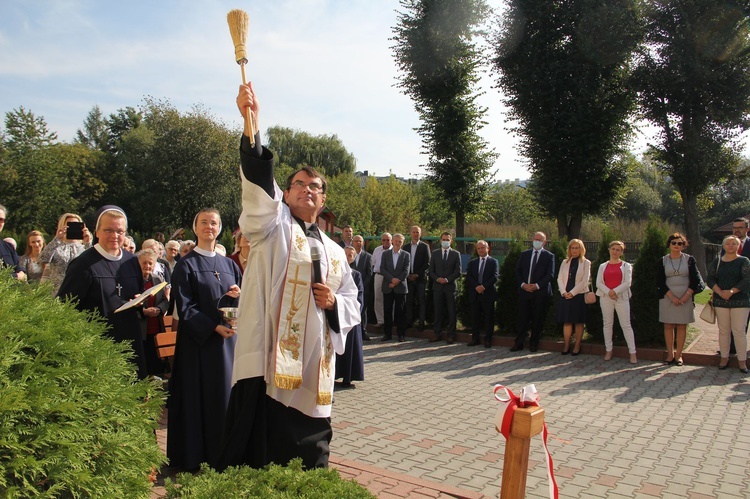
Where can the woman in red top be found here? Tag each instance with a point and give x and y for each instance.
(613, 286)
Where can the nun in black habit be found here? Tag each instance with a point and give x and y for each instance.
(350, 366)
(104, 277)
(201, 379)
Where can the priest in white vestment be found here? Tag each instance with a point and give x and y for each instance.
(289, 327)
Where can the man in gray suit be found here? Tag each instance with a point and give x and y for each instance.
(445, 268)
(394, 265)
(363, 264)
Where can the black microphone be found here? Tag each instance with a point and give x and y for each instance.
(315, 255)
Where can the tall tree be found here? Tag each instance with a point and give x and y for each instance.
(43, 178)
(325, 153)
(95, 131)
(565, 67)
(694, 82)
(175, 164)
(437, 54)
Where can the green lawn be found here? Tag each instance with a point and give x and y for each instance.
(703, 297)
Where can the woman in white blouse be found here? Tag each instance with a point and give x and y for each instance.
(613, 286)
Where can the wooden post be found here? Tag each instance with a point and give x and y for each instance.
(527, 422)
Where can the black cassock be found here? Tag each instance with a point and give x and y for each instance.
(351, 365)
(104, 285)
(202, 367)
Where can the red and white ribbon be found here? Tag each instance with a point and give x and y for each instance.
(509, 402)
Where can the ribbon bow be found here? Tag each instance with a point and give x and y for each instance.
(509, 402)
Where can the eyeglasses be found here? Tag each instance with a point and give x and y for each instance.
(313, 186)
(677, 243)
(111, 232)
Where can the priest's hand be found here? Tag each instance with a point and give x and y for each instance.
(246, 98)
(324, 296)
(224, 331)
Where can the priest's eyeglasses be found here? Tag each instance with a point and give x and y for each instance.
(113, 232)
(313, 186)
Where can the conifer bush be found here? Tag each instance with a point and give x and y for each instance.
(271, 482)
(74, 419)
(506, 307)
(645, 302)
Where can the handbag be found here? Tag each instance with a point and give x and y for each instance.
(708, 313)
(590, 297)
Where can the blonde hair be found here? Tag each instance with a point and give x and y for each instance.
(33, 233)
(618, 243)
(731, 237)
(62, 221)
(582, 256)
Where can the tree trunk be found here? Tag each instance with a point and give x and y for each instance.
(569, 229)
(460, 228)
(693, 233)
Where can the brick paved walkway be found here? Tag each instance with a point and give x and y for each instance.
(421, 425)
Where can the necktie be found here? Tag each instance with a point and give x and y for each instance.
(531, 267)
(481, 268)
(445, 255)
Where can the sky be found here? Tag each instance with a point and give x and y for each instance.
(318, 66)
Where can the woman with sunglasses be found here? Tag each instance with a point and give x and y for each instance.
(678, 281)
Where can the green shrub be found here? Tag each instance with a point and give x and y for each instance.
(645, 301)
(273, 481)
(506, 308)
(74, 420)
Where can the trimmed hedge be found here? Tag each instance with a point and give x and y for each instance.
(273, 481)
(74, 420)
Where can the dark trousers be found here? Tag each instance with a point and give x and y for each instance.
(444, 298)
(416, 292)
(483, 317)
(394, 309)
(532, 308)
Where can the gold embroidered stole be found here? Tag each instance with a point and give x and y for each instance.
(290, 337)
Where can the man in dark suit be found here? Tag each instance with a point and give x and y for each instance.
(534, 274)
(346, 236)
(419, 253)
(445, 268)
(363, 265)
(394, 265)
(739, 229)
(481, 277)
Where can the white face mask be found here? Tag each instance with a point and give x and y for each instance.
(537, 245)
(445, 244)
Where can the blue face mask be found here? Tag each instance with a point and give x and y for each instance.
(445, 244)
(537, 245)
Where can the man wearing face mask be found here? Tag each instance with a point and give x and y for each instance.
(534, 274)
(445, 268)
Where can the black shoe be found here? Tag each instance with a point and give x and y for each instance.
(487, 343)
(532, 348)
(744, 370)
(516, 348)
(387, 337)
(721, 368)
(573, 354)
(473, 343)
(400, 339)
(436, 338)
(451, 340)
(566, 351)
(340, 385)
(366, 337)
